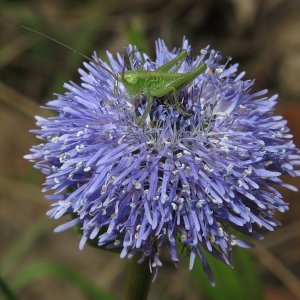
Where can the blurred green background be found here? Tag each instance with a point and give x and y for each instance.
(35, 263)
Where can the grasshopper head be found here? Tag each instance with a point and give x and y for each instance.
(131, 77)
(131, 81)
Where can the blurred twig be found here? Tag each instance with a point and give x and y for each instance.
(282, 235)
(292, 255)
(17, 101)
(16, 48)
(267, 259)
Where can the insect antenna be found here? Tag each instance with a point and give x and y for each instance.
(4, 19)
(124, 65)
(229, 58)
(123, 68)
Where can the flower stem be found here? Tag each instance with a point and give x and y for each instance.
(138, 282)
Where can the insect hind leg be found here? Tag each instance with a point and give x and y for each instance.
(178, 60)
(179, 106)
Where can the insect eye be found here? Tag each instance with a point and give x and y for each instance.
(130, 78)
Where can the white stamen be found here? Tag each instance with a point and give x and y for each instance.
(200, 203)
(181, 200)
(120, 140)
(179, 154)
(54, 139)
(220, 231)
(79, 133)
(247, 171)
(206, 168)
(137, 184)
(86, 169)
(79, 147)
(174, 206)
(224, 138)
(183, 237)
(63, 157)
(165, 197)
(103, 190)
(233, 242)
(79, 164)
(225, 149)
(229, 169)
(212, 238)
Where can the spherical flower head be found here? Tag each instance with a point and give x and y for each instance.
(187, 176)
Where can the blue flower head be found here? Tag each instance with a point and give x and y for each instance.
(191, 179)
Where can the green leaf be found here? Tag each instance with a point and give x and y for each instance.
(23, 245)
(242, 282)
(250, 278)
(5, 289)
(227, 282)
(57, 270)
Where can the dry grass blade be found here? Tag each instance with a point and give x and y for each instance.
(267, 259)
(282, 235)
(18, 101)
(16, 48)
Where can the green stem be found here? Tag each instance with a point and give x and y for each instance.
(6, 290)
(139, 279)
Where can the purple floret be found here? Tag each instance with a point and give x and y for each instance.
(192, 178)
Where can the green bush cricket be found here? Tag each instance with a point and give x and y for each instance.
(159, 82)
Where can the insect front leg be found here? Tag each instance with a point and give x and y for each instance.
(116, 86)
(169, 88)
(116, 83)
(146, 111)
